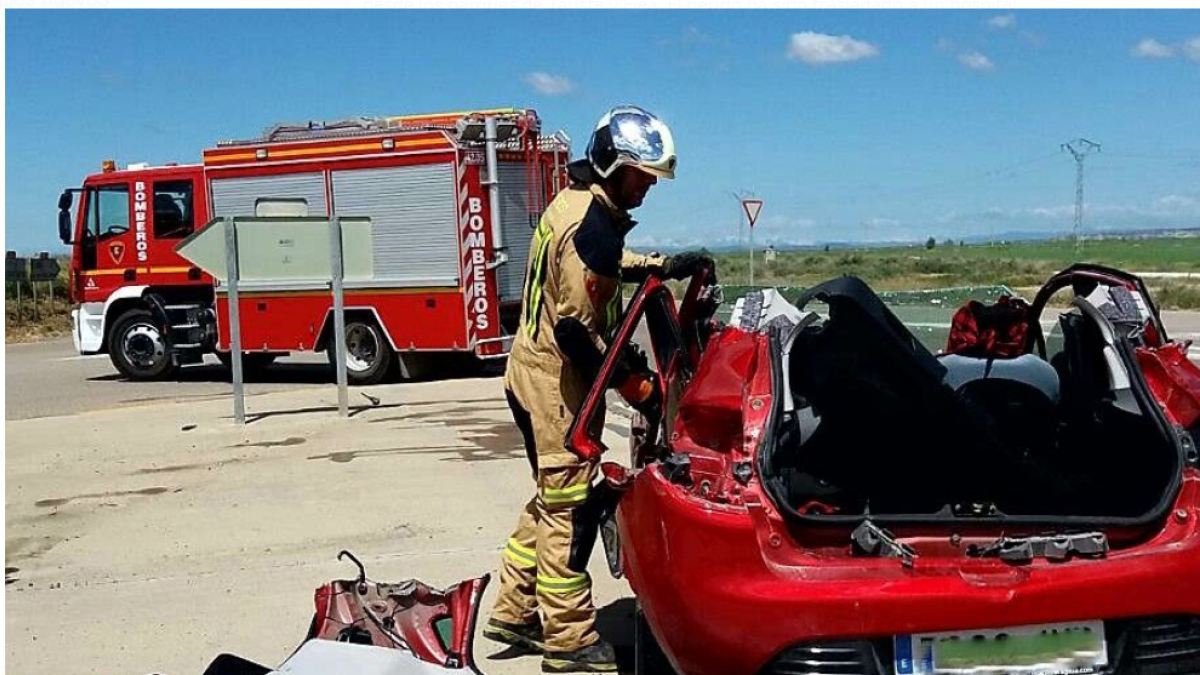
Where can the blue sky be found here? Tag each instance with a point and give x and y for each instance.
(848, 124)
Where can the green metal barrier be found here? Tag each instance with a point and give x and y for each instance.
(927, 313)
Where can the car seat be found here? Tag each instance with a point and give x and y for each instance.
(890, 427)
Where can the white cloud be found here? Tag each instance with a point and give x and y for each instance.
(976, 61)
(1150, 48)
(1191, 49)
(818, 49)
(880, 221)
(1003, 21)
(550, 85)
(1177, 203)
(1171, 210)
(694, 36)
(1035, 39)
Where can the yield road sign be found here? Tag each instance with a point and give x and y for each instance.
(752, 206)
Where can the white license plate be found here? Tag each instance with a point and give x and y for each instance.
(1051, 649)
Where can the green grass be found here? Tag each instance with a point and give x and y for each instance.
(26, 320)
(1024, 265)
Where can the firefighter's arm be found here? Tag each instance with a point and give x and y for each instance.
(636, 267)
(588, 300)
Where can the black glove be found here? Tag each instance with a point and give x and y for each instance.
(686, 264)
(633, 360)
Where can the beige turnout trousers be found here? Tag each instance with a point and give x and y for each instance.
(534, 571)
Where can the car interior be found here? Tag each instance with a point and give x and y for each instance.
(876, 424)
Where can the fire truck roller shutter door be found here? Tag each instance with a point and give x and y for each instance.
(518, 224)
(238, 196)
(414, 220)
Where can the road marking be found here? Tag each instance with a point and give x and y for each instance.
(82, 357)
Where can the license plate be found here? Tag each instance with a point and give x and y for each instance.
(1051, 649)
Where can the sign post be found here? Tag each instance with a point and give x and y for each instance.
(235, 325)
(43, 268)
(336, 248)
(752, 207)
(339, 313)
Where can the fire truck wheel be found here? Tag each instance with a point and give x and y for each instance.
(368, 355)
(138, 347)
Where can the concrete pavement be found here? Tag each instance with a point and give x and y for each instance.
(150, 538)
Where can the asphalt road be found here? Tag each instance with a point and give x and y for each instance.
(46, 379)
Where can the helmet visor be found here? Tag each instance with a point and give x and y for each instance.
(638, 135)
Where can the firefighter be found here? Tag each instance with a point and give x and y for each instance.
(571, 306)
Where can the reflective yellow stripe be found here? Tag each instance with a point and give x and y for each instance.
(525, 557)
(614, 309)
(516, 546)
(537, 276)
(136, 270)
(562, 585)
(567, 495)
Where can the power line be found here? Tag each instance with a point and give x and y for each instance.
(1079, 148)
(1005, 171)
(1185, 157)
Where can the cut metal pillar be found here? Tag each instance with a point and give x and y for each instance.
(235, 325)
(339, 314)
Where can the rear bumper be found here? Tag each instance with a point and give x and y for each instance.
(722, 600)
(1166, 645)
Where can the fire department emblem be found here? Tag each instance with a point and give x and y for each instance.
(116, 250)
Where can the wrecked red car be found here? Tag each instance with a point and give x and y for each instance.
(822, 495)
(364, 627)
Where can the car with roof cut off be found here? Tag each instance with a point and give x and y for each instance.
(824, 495)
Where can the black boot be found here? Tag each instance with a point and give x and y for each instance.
(524, 635)
(594, 658)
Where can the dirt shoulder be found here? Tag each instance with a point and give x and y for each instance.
(26, 322)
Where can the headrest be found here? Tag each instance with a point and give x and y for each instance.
(1027, 369)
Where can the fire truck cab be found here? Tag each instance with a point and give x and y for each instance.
(452, 199)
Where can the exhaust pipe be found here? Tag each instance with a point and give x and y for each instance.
(493, 168)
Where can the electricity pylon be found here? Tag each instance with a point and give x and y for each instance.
(1079, 148)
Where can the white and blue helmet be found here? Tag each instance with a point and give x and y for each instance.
(628, 135)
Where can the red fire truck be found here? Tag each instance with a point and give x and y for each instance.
(452, 211)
